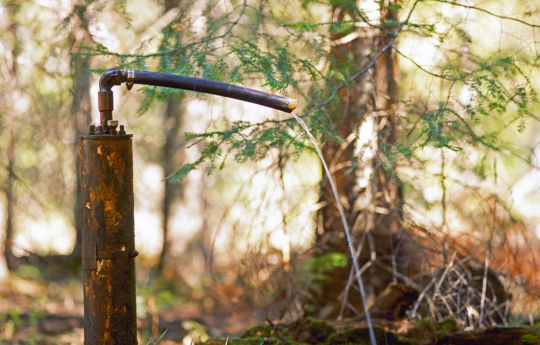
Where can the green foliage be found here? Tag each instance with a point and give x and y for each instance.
(341, 27)
(529, 339)
(182, 172)
(390, 23)
(328, 261)
(150, 342)
(463, 35)
(15, 317)
(271, 46)
(318, 268)
(243, 141)
(393, 7)
(276, 68)
(436, 125)
(29, 272)
(445, 327)
(501, 94)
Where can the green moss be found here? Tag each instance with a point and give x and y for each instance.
(529, 339)
(310, 330)
(307, 331)
(427, 330)
(259, 331)
(244, 341)
(313, 332)
(446, 326)
(255, 341)
(360, 336)
(423, 329)
(263, 334)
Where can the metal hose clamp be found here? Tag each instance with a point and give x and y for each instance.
(130, 78)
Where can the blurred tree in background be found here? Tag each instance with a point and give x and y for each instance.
(80, 106)
(425, 111)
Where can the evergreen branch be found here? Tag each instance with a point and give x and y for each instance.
(266, 16)
(479, 9)
(471, 131)
(364, 69)
(440, 110)
(312, 25)
(210, 38)
(244, 5)
(425, 70)
(409, 15)
(386, 46)
(481, 140)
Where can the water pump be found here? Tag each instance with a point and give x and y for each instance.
(107, 217)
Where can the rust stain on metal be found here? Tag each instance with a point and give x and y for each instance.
(108, 240)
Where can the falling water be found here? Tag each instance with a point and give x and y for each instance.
(346, 228)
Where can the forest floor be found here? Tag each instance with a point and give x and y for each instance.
(35, 311)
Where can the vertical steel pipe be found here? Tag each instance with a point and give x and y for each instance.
(108, 239)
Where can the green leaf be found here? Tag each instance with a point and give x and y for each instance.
(405, 151)
(328, 262)
(341, 28)
(306, 3)
(346, 5)
(178, 175)
(390, 22)
(464, 35)
(394, 7)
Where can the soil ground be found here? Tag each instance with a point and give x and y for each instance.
(33, 311)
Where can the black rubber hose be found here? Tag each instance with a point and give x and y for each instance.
(213, 87)
(116, 77)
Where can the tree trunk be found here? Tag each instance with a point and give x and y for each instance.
(169, 154)
(388, 195)
(13, 85)
(364, 175)
(11, 260)
(80, 112)
(171, 128)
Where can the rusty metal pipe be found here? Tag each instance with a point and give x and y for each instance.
(116, 77)
(108, 239)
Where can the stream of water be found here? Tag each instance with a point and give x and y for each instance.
(356, 266)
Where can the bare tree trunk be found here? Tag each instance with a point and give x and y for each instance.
(346, 166)
(169, 151)
(367, 184)
(388, 196)
(11, 260)
(80, 112)
(206, 243)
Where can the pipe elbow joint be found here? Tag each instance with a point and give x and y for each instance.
(111, 78)
(108, 79)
